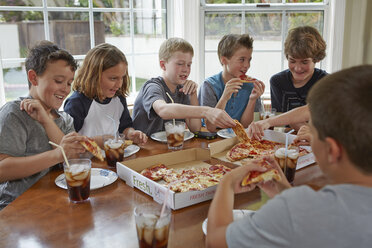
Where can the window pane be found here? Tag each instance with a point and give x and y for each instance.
(22, 3)
(113, 28)
(219, 24)
(67, 3)
(23, 29)
(304, 1)
(150, 31)
(314, 19)
(15, 80)
(222, 1)
(149, 4)
(146, 67)
(70, 30)
(111, 4)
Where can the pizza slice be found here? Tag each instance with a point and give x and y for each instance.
(240, 132)
(155, 172)
(241, 151)
(92, 147)
(246, 79)
(258, 176)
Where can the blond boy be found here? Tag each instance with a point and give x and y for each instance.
(153, 106)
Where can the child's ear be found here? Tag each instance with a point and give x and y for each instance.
(32, 77)
(223, 60)
(334, 150)
(162, 64)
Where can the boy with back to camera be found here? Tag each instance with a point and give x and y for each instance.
(28, 123)
(153, 106)
(338, 215)
(226, 90)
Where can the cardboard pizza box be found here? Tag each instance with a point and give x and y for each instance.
(129, 171)
(220, 148)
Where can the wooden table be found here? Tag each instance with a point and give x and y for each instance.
(44, 217)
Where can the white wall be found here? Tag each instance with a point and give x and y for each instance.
(9, 44)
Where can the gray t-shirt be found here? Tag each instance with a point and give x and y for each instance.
(144, 116)
(22, 136)
(336, 216)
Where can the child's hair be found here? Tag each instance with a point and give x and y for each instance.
(305, 42)
(340, 107)
(232, 42)
(172, 45)
(97, 60)
(47, 52)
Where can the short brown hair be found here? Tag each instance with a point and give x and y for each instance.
(45, 52)
(172, 45)
(232, 42)
(97, 60)
(340, 108)
(305, 42)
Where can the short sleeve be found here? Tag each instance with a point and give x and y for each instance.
(77, 106)
(207, 96)
(67, 123)
(151, 93)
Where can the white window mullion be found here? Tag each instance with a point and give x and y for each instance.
(133, 65)
(2, 85)
(91, 24)
(46, 20)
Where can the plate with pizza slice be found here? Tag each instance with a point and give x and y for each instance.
(237, 214)
(226, 133)
(98, 178)
(162, 137)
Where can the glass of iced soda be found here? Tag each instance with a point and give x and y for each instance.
(175, 132)
(77, 176)
(114, 149)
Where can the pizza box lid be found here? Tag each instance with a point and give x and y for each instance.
(220, 148)
(129, 171)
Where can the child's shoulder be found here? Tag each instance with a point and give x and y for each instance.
(157, 82)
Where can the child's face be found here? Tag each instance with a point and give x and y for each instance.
(54, 85)
(177, 69)
(112, 79)
(239, 63)
(302, 69)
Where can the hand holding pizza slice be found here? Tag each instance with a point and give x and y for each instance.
(92, 147)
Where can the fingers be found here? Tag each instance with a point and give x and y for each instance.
(255, 131)
(189, 87)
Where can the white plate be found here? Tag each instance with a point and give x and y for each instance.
(99, 178)
(237, 214)
(130, 150)
(227, 133)
(161, 136)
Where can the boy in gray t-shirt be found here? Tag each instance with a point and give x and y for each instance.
(27, 124)
(338, 215)
(153, 105)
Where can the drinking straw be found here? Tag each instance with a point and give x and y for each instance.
(115, 127)
(63, 152)
(174, 121)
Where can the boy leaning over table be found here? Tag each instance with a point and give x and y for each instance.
(28, 123)
(338, 215)
(225, 90)
(153, 106)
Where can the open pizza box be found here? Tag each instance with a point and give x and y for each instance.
(130, 170)
(220, 148)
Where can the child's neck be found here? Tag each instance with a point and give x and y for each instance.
(172, 87)
(226, 76)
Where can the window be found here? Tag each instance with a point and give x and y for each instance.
(267, 22)
(137, 27)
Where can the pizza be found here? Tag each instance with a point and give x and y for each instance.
(92, 147)
(246, 79)
(251, 149)
(183, 180)
(259, 176)
(240, 132)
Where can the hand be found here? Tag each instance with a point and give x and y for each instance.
(232, 86)
(256, 129)
(35, 109)
(137, 136)
(71, 145)
(189, 87)
(236, 176)
(303, 136)
(219, 118)
(258, 90)
(273, 187)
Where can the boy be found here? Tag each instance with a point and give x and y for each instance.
(225, 90)
(339, 215)
(303, 48)
(27, 124)
(153, 106)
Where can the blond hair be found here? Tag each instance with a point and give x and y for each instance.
(230, 43)
(305, 42)
(172, 45)
(97, 60)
